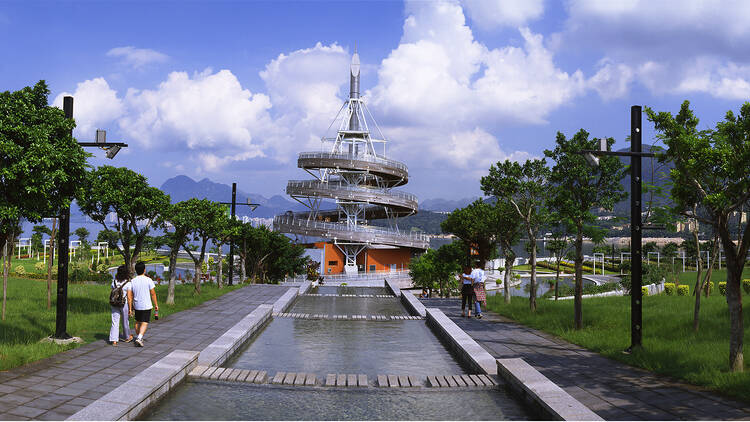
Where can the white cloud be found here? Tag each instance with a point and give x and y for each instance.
(94, 105)
(137, 57)
(489, 14)
(208, 113)
(612, 80)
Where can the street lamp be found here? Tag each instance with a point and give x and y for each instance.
(636, 226)
(61, 318)
(231, 244)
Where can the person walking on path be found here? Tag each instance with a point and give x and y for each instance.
(467, 290)
(141, 293)
(477, 275)
(120, 312)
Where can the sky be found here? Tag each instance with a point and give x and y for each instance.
(233, 91)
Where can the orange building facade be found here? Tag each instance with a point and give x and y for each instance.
(369, 260)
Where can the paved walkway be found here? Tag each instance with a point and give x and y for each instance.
(57, 387)
(613, 390)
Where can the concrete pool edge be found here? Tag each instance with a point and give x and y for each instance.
(538, 390)
(127, 401)
(462, 344)
(224, 346)
(413, 304)
(283, 303)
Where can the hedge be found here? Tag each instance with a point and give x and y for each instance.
(723, 288)
(746, 285)
(644, 290)
(669, 289)
(683, 290)
(709, 287)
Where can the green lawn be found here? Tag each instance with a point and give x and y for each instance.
(670, 345)
(27, 319)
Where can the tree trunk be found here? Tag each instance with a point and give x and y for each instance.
(197, 277)
(506, 279)
(49, 263)
(557, 280)
(172, 275)
(532, 287)
(219, 270)
(5, 273)
(578, 300)
(734, 300)
(242, 268)
(697, 289)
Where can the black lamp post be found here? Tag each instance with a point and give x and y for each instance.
(231, 244)
(61, 319)
(636, 226)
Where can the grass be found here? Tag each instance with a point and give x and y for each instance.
(670, 345)
(27, 319)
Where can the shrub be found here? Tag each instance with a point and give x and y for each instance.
(644, 290)
(20, 269)
(723, 288)
(669, 289)
(683, 290)
(746, 285)
(40, 266)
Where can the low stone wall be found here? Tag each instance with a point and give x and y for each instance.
(283, 303)
(461, 343)
(413, 305)
(305, 287)
(538, 391)
(131, 398)
(223, 347)
(392, 287)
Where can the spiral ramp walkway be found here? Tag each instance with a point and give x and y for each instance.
(360, 181)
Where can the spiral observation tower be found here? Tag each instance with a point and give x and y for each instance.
(358, 177)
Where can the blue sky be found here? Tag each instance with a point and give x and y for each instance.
(233, 91)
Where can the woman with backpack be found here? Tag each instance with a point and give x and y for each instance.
(118, 302)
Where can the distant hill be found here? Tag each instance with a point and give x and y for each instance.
(444, 205)
(181, 188)
(654, 173)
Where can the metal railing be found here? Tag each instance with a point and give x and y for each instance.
(315, 184)
(352, 157)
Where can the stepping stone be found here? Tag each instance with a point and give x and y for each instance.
(362, 380)
(279, 378)
(331, 380)
(488, 381)
(233, 376)
(217, 373)
(209, 372)
(451, 382)
(351, 380)
(478, 381)
(261, 378)
(224, 375)
(300, 380)
(289, 378)
(341, 380)
(251, 375)
(311, 380)
(403, 381)
(469, 382)
(198, 370)
(432, 381)
(382, 381)
(441, 381)
(413, 381)
(243, 375)
(392, 381)
(459, 381)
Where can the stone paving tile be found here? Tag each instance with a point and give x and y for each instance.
(27, 411)
(62, 384)
(612, 389)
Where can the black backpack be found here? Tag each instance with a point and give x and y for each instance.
(117, 296)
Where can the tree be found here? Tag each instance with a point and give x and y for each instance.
(36, 237)
(203, 222)
(711, 183)
(507, 231)
(225, 230)
(244, 232)
(524, 187)
(41, 164)
(82, 234)
(475, 225)
(127, 194)
(179, 218)
(576, 188)
(559, 246)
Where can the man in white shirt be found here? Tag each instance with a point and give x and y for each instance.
(478, 275)
(141, 293)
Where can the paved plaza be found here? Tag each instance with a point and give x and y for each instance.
(613, 390)
(57, 387)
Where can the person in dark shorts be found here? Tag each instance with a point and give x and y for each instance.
(467, 290)
(141, 294)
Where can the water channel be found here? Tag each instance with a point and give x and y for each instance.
(322, 346)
